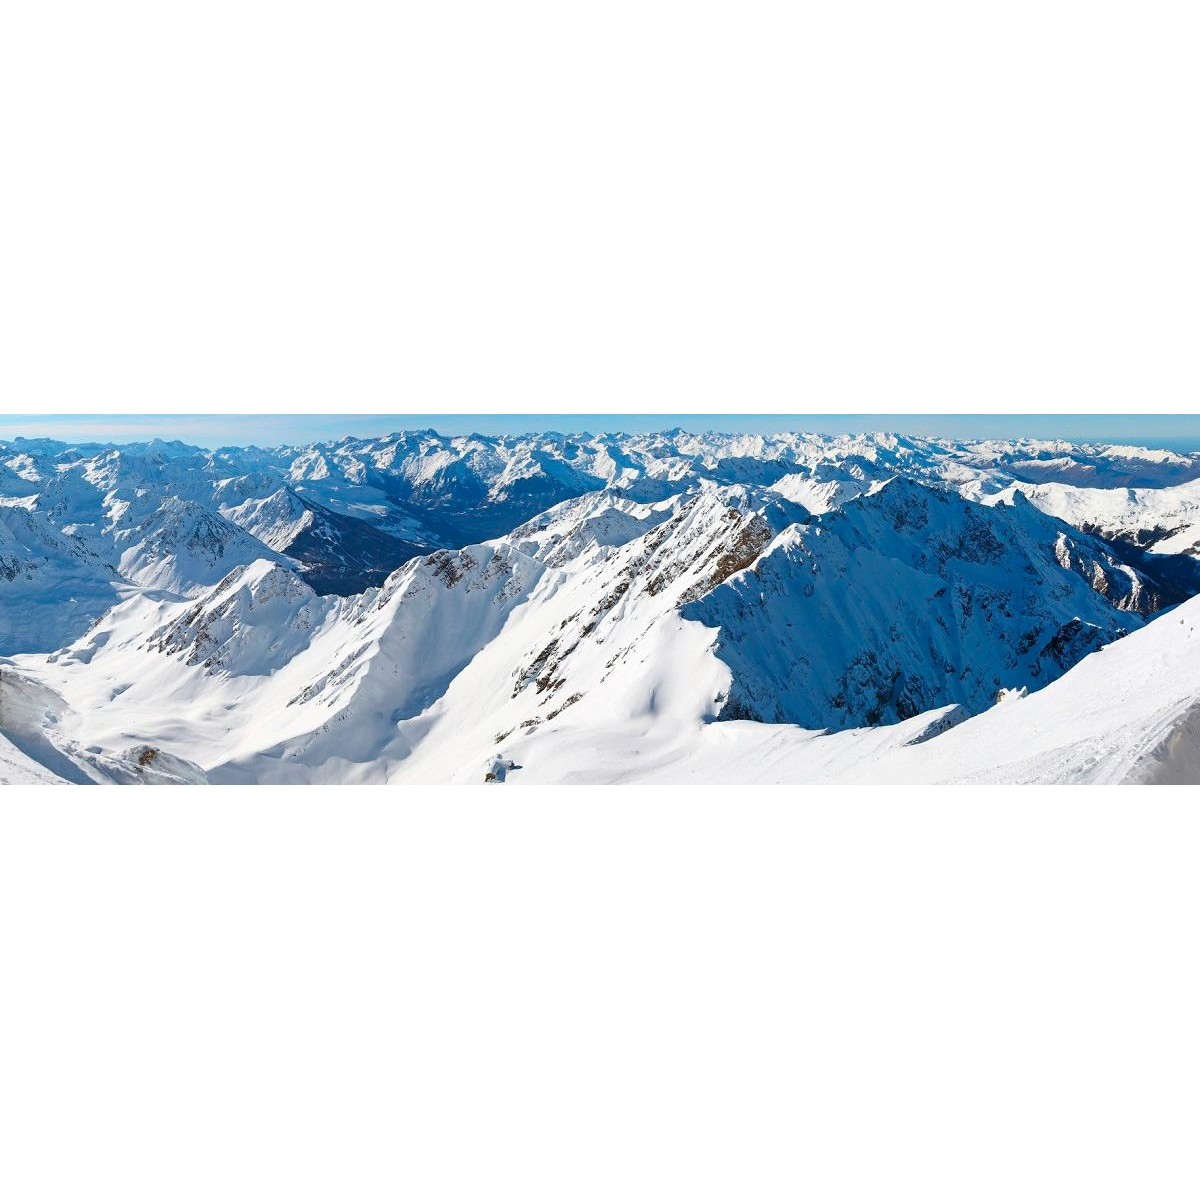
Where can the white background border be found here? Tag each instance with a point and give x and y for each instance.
(541, 207)
(652, 204)
(598, 992)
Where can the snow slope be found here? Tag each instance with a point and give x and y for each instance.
(16, 767)
(35, 746)
(1162, 520)
(52, 584)
(1128, 714)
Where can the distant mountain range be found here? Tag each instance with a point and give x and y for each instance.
(586, 608)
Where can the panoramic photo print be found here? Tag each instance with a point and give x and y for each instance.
(494, 600)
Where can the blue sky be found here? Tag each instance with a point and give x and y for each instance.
(1174, 431)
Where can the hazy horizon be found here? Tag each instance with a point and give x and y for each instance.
(212, 431)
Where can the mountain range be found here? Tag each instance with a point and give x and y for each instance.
(669, 607)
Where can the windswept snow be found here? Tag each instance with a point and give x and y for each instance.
(17, 767)
(1128, 714)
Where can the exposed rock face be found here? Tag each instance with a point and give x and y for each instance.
(337, 554)
(249, 624)
(910, 598)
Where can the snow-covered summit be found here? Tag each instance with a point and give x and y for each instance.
(256, 618)
(184, 547)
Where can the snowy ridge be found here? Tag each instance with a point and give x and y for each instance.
(250, 623)
(336, 553)
(1161, 520)
(185, 548)
(908, 599)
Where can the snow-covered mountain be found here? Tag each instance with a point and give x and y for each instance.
(336, 553)
(908, 598)
(184, 548)
(550, 607)
(434, 490)
(1128, 714)
(1163, 522)
(52, 583)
